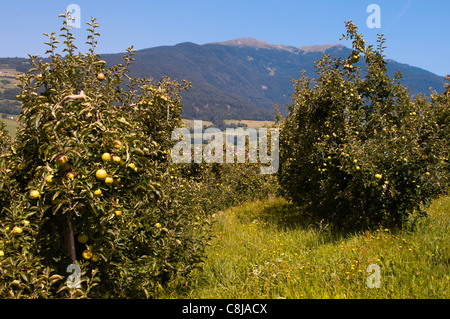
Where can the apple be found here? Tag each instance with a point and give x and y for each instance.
(98, 192)
(71, 175)
(101, 174)
(2, 253)
(87, 254)
(118, 212)
(35, 194)
(61, 160)
(39, 77)
(17, 230)
(109, 180)
(83, 238)
(95, 257)
(106, 157)
(132, 166)
(378, 176)
(355, 58)
(49, 179)
(116, 159)
(100, 76)
(117, 144)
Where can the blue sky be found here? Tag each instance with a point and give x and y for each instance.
(417, 31)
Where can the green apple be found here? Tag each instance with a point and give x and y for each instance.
(83, 238)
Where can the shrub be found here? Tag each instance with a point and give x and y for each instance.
(356, 148)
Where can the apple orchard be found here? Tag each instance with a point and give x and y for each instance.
(88, 179)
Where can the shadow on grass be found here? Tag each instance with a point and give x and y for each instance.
(286, 216)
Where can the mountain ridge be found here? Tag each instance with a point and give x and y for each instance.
(258, 44)
(243, 78)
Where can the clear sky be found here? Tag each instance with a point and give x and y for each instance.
(417, 31)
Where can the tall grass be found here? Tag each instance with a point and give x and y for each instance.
(269, 249)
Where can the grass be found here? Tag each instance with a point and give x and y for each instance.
(267, 249)
(11, 125)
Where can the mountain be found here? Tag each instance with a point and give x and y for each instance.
(244, 78)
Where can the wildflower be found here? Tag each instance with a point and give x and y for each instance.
(256, 272)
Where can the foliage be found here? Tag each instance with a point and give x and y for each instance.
(5, 139)
(9, 94)
(225, 185)
(355, 148)
(440, 110)
(125, 230)
(10, 107)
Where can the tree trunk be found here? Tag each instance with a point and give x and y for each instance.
(69, 240)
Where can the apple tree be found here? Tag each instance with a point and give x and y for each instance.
(440, 112)
(356, 148)
(88, 181)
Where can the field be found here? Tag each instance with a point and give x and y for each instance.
(267, 249)
(11, 125)
(250, 123)
(12, 129)
(8, 78)
(190, 123)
